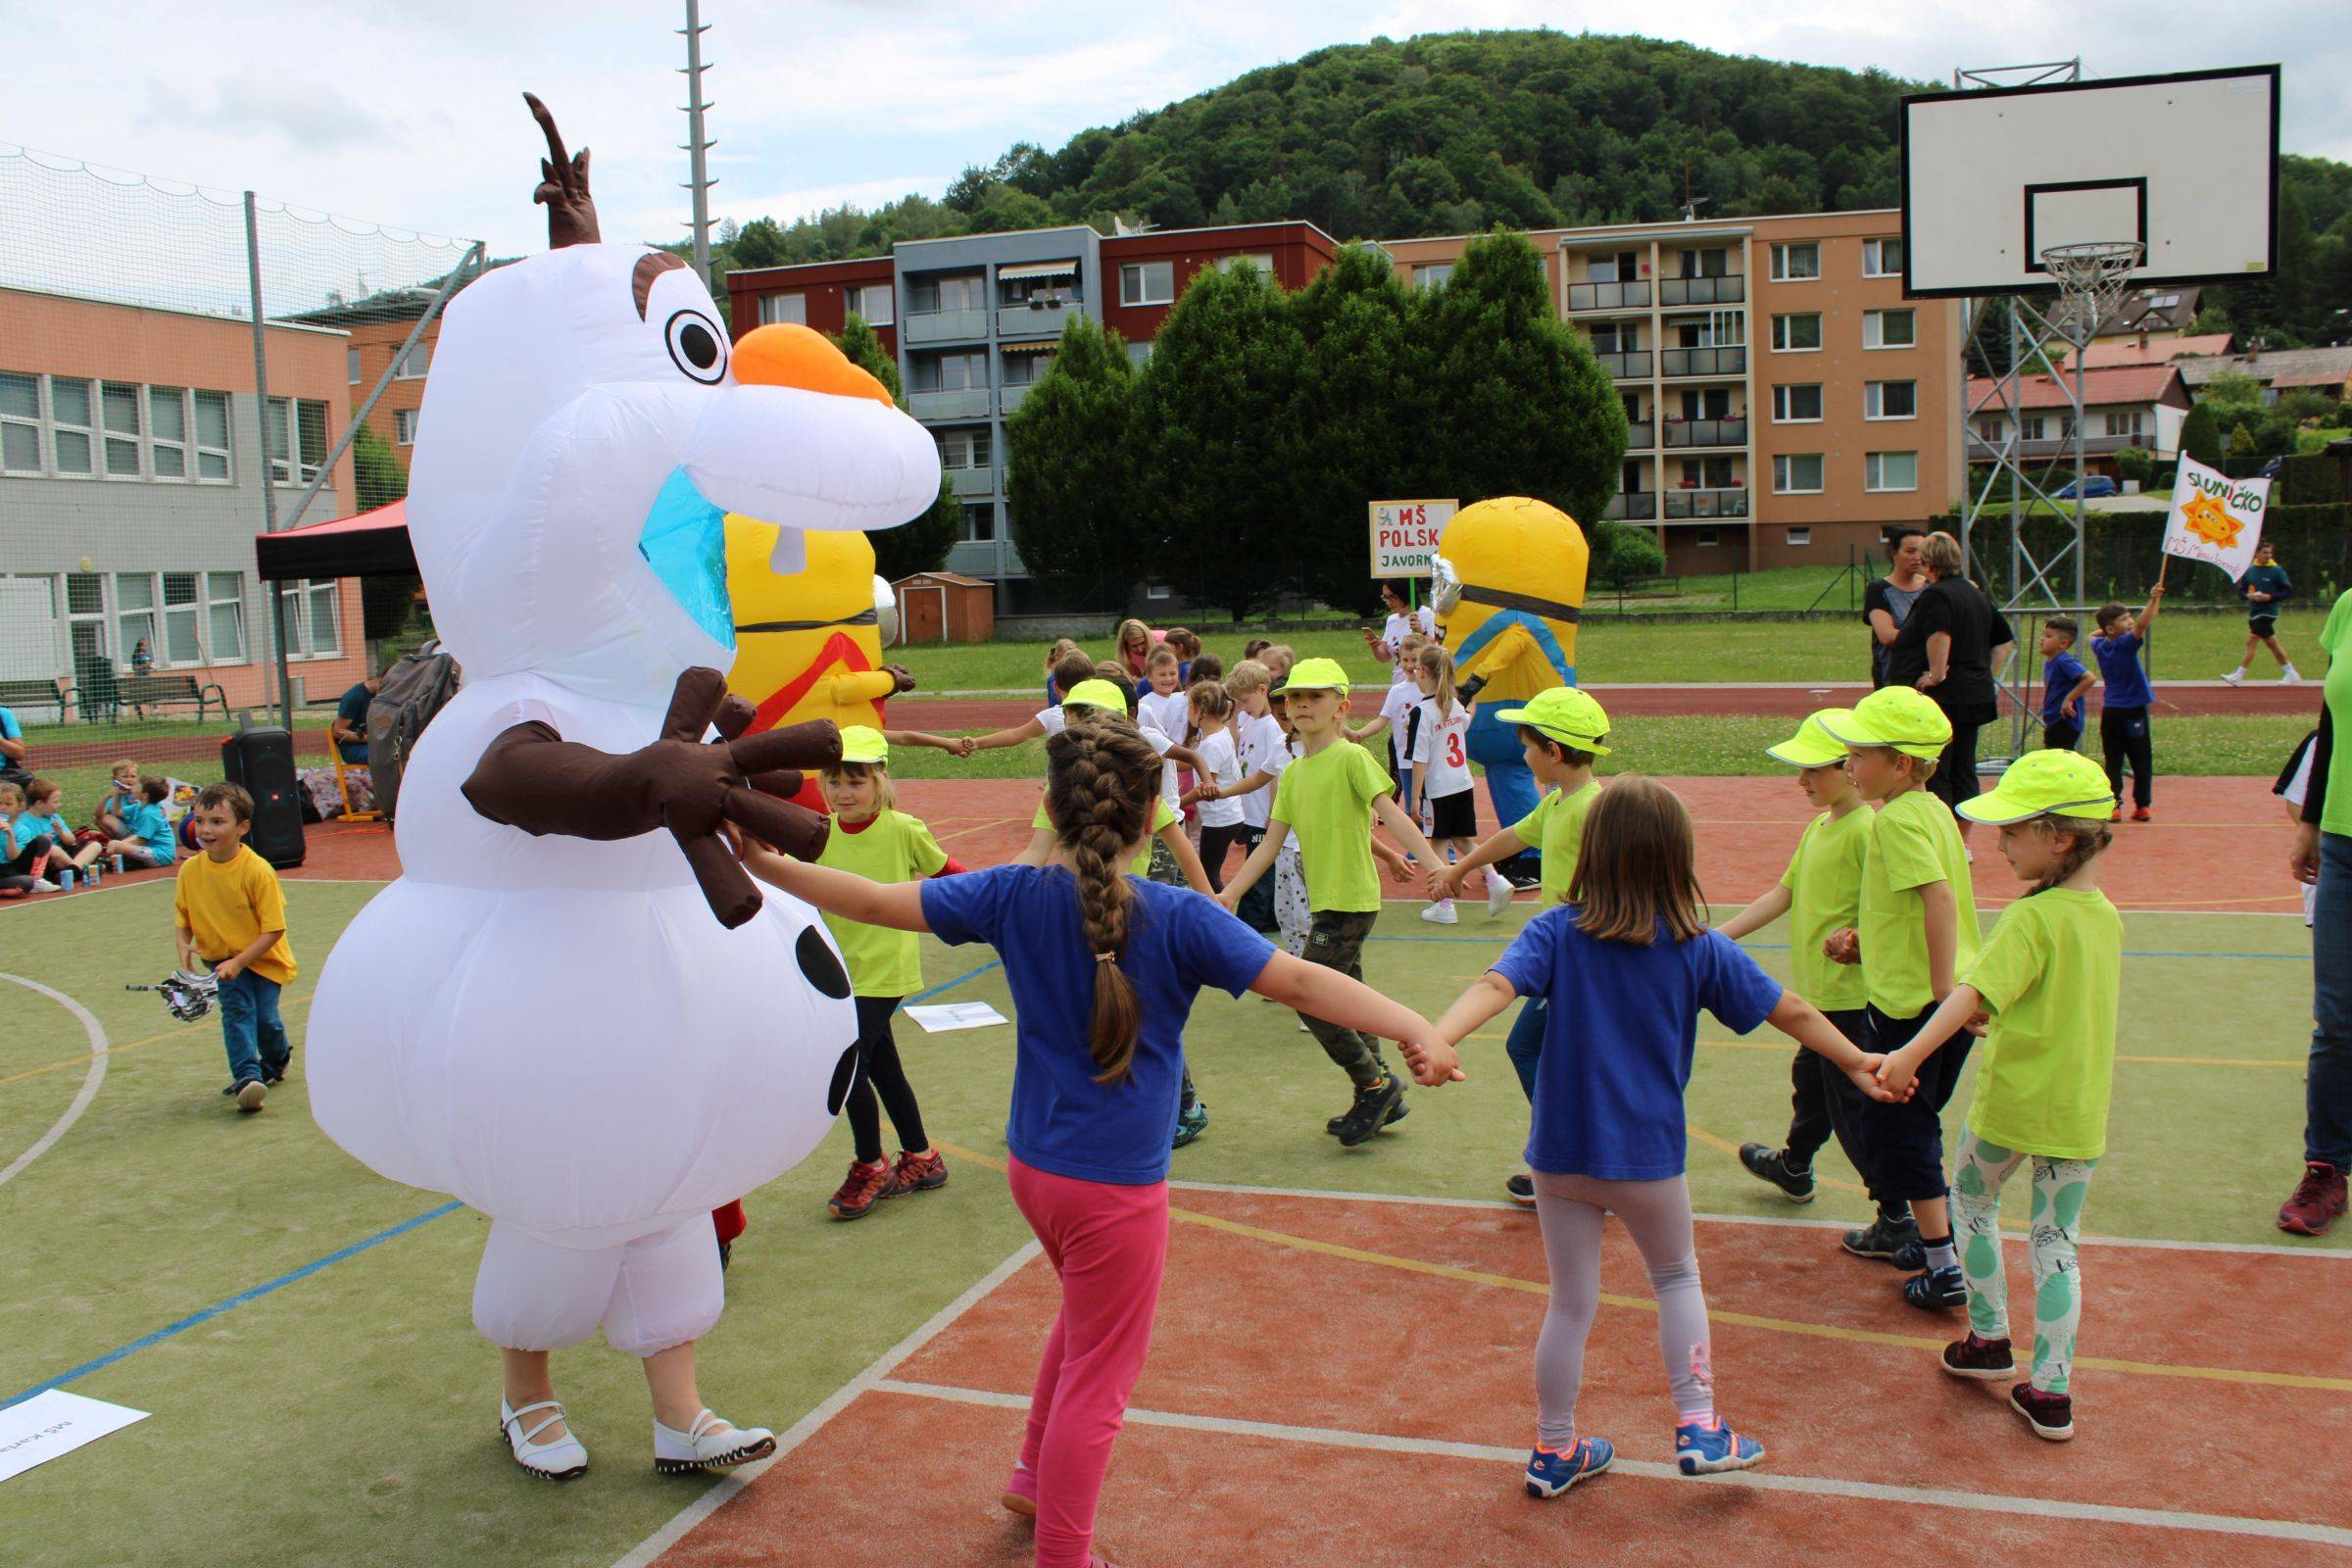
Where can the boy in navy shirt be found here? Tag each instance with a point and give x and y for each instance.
(2065, 684)
(2123, 720)
(2265, 587)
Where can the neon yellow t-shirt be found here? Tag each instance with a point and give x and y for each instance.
(1163, 817)
(223, 906)
(2051, 974)
(1327, 801)
(1556, 826)
(1824, 880)
(2335, 814)
(893, 847)
(1914, 842)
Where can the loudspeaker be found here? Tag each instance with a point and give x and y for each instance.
(262, 762)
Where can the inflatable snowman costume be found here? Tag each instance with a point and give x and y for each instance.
(542, 1016)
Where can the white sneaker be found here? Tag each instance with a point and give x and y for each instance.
(43, 885)
(561, 1459)
(2234, 677)
(1499, 892)
(1441, 913)
(712, 1443)
(2289, 677)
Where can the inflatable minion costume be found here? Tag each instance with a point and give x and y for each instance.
(1509, 586)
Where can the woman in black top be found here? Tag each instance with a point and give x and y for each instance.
(1886, 602)
(1946, 650)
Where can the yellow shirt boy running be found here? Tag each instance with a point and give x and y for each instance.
(230, 912)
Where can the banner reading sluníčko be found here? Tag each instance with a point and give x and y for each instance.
(2214, 518)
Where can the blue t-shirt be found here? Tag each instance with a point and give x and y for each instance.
(353, 710)
(9, 729)
(2271, 580)
(2059, 672)
(2120, 667)
(30, 827)
(147, 822)
(1063, 1121)
(1620, 1027)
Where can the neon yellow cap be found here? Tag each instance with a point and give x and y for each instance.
(2045, 784)
(1097, 694)
(1565, 713)
(1901, 717)
(1316, 676)
(862, 743)
(1812, 746)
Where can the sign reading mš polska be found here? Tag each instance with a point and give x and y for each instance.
(1405, 536)
(2214, 518)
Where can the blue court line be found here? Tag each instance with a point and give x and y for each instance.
(329, 1260)
(1783, 947)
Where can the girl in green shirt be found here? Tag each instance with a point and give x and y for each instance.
(2050, 978)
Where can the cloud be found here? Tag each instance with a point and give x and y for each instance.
(299, 114)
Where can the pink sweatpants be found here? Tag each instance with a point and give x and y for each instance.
(1108, 1245)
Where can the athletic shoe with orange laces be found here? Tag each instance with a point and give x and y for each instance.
(2318, 1203)
(919, 1173)
(866, 1186)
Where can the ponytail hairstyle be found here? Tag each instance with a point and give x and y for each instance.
(1101, 779)
(1637, 866)
(1212, 702)
(2090, 842)
(1437, 661)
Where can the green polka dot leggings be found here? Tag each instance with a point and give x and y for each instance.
(2059, 1188)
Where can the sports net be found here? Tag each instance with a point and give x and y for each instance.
(2092, 281)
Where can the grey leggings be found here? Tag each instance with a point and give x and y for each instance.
(1657, 1216)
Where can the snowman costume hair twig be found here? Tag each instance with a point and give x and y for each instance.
(541, 1016)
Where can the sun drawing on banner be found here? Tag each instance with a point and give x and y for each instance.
(2209, 520)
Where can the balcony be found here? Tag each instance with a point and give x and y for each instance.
(1637, 506)
(1640, 435)
(945, 326)
(1725, 290)
(1732, 503)
(963, 403)
(1036, 320)
(1011, 397)
(1707, 432)
(980, 481)
(1620, 365)
(1633, 296)
(1703, 361)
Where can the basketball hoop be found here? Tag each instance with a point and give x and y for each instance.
(2092, 281)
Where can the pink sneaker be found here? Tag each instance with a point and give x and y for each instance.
(1020, 1491)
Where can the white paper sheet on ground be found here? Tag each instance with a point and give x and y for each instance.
(955, 1016)
(54, 1423)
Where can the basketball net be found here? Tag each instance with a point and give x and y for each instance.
(2092, 281)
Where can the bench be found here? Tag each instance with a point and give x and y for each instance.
(141, 692)
(20, 695)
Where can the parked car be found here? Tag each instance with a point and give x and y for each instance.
(2092, 486)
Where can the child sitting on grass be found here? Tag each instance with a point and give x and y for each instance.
(21, 870)
(145, 840)
(2051, 976)
(232, 912)
(42, 819)
(1627, 966)
(121, 794)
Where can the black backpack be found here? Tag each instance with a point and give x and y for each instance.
(412, 692)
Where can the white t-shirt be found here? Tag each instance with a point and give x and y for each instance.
(1399, 700)
(1169, 717)
(1223, 760)
(1442, 757)
(1263, 750)
(1391, 637)
(1052, 718)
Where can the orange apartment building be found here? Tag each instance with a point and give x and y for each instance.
(1786, 403)
(130, 472)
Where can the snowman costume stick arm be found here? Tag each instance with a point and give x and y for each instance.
(529, 777)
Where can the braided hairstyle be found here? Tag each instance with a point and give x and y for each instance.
(1102, 779)
(2090, 838)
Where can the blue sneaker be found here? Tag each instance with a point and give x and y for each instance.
(1191, 1124)
(1711, 1448)
(1550, 1474)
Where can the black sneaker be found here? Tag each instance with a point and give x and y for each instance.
(2050, 1416)
(276, 1074)
(1374, 1108)
(1522, 1189)
(1936, 1289)
(1334, 1125)
(1772, 1165)
(1912, 1256)
(1882, 1237)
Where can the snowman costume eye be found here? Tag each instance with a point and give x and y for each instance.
(697, 346)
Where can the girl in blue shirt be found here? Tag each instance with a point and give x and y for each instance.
(1103, 968)
(1624, 968)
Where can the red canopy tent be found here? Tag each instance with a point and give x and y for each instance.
(372, 544)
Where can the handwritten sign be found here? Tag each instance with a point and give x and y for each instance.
(54, 1423)
(1405, 536)
(2214, 518)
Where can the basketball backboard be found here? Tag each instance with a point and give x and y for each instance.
(2187, 164)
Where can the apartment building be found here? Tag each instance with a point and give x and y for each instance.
(2123, 406)
(131, 462)
(974, 320)
(1786, 403)
(374, 328)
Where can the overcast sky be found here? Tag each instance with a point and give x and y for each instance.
(409, 113)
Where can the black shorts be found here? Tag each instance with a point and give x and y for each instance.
(2262, 625)
(1453, 817)
(2061, 737)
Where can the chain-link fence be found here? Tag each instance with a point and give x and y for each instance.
(150, 430)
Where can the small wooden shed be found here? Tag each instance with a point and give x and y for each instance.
(946, 606)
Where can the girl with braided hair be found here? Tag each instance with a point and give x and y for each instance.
(1103, 967)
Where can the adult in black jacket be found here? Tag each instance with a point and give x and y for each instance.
(1947, 649)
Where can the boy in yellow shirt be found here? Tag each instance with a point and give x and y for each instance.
(1329, 796)
(232, 915)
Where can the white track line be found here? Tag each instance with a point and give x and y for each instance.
(1648, 1470)
(711, 1500)
(89, 1080)
(2258, 1248)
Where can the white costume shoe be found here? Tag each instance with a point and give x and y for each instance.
(560, 1460)
(710, 1445)
(1499, 892)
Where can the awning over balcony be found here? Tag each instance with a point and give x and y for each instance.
(1012, 274)
(1044, 345)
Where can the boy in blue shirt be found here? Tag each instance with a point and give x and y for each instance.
(2065, 684)
(2265, 587)
(2123, 720)
(147, 840)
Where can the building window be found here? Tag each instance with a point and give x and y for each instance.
(69, 421)
(167, 432)
(1148, 283)
(1026, 368)
(310, 437)
(1258, 259)
(412, 364)
(1988, 431)
(2032, 426)
(351, 366)
(1429, 274)
(2123, 421)
(1704, 537)
(979, 523)
(134, 615)
(1797, 404)
(225, 615)
(189, 636)
(790, 307)
(85, 616)
(1797, 334)
(19, 423)
(874, 303)
(1889, 329)
(931, 296)
(404, 426)
(963, 448)
(118, 407)
(950, 372)
(1881, 257)
(211, 436)
(1890, 400)
(1797, 474)
(314, 618)
(1796, 262)
(1890, 471)
(1800, 537)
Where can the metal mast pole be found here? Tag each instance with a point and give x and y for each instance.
(261, 426)
(696, 144)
